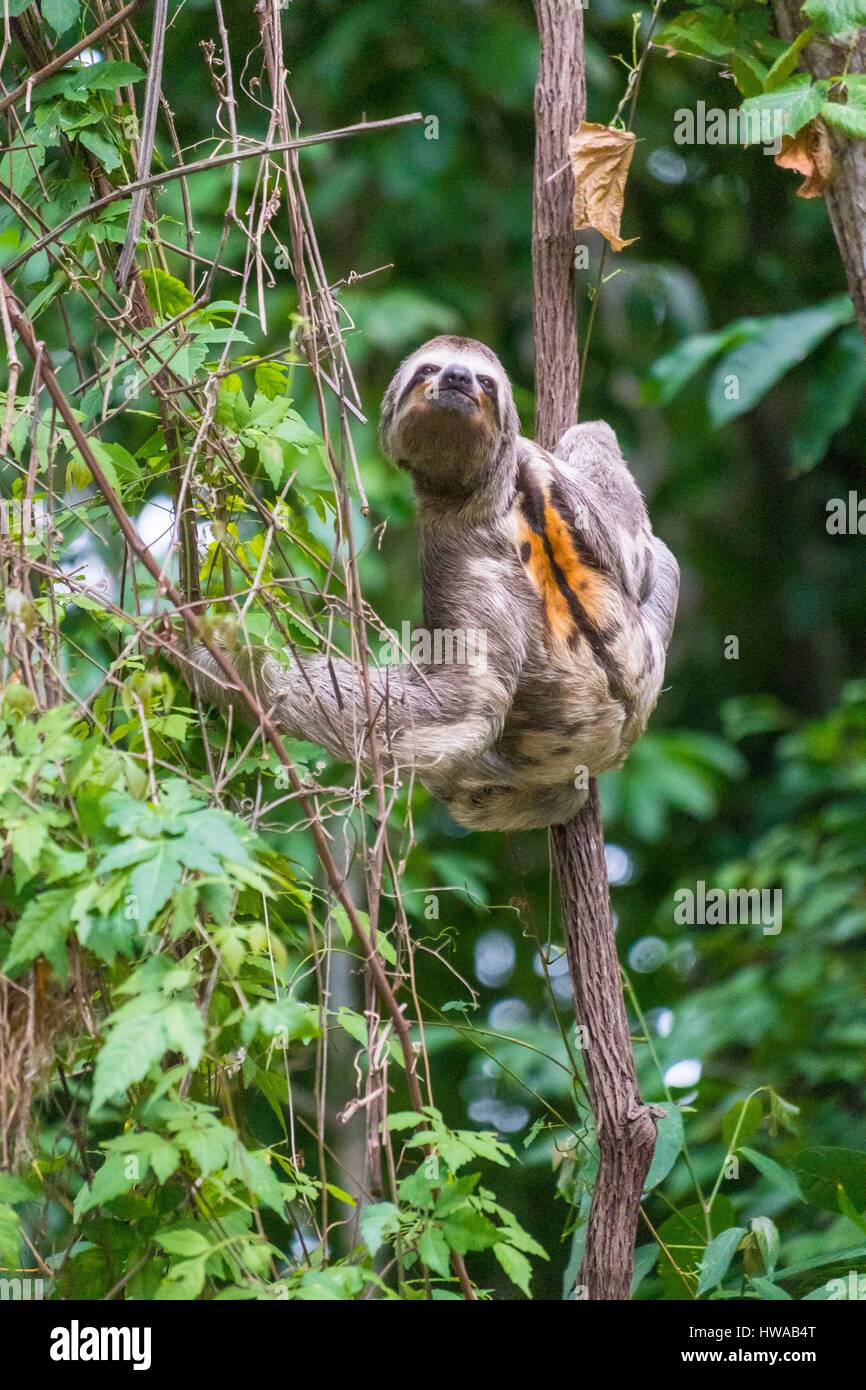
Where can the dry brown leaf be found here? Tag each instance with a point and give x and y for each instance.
(808, 152)
(600, 157)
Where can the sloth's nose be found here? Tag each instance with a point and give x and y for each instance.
(458, 377)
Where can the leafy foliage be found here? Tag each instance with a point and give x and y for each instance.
(208, 1062)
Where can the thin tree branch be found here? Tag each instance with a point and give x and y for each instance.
(145, 145)
(197, 166)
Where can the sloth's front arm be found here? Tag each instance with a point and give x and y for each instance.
(437, 718)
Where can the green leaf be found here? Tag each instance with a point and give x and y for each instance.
(669, 1143)
(273, 462)
(183, 1242)
(685, 1233)
(166, 295)
(209, 1146)
(282, 1020)
(765, 1288)
(844, 1259)
(833, 392)
(42, 930)
(404, 1119)
(271, 378)
(747, 373)
(101, 77)
(645, 1257)
(60, 14)
(19, 167)
(850, 115)
(10, 1236)
(183, 1281)
(433, 1250)
(295, 430)
(28, 841)
(749, 74)
(742, 1121)
(183, 1029)
(58, 863)
(333, 1285)
(847, 1208)
(717, 1258)
(266, 412)
(516, 1266)
(14, 1190)
(341, 1194)
(153, 882)
(783, 1113)
(379, 1223)
(126, 468)
(700, 31)
(514, 1233)
(104, 150)
(836, 16)
(449, 1147)
(466, 1230)
(354, 1024)
(232, 409)
(671, 372)
(823, 1171)
(745, 715)
(140, 1033)
(255, 1172)
(164, 1159)
(787, 61)
(111, 1180)
(133, 1046)
(780, 1177)
(787, 108)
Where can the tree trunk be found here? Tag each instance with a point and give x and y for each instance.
(846, 196)
(560, 106)
(625, 1127)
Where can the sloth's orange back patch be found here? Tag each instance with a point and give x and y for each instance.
(586, 583)
(563, 581)
(533, 553)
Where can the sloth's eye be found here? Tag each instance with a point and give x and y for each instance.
(427, 369)
(487, 384)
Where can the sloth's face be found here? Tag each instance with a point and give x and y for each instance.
(447, 413)
(454, 385)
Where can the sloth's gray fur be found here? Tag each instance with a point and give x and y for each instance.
(507, 747)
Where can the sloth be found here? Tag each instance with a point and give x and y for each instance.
(549, 559)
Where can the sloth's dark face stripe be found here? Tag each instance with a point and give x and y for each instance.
(407, 391)
(492, 401)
